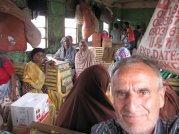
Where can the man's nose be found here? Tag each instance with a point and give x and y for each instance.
(132, 103)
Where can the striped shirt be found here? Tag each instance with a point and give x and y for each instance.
(113, 127)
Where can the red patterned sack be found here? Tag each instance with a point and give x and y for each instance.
(12, 34)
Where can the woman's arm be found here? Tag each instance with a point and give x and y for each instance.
(47, 65)
(57, 55)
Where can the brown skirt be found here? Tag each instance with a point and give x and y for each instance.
(26, 87)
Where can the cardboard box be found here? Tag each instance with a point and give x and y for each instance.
(21, 130)
(30, 107)
(24, 130)
(107, 42)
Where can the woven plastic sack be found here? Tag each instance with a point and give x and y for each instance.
(161, 39)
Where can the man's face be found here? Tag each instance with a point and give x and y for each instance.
(136, 98)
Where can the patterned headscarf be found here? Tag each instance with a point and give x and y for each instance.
(69, 54)
(70, 38)
(122, 53)
(65, 39)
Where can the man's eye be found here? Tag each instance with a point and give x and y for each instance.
(121, 94)
(144, 92)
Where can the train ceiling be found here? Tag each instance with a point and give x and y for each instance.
(129, 3)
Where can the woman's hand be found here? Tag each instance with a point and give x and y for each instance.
(49, 63)
(58, 58)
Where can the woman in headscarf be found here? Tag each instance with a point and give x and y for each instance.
(84, 58)
(70, 38)
(66, 52)
(87, 103)
(121, 53)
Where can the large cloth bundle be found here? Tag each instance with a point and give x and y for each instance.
(78, 15)
(12, 34)
(16, 29)
(90, 22)
(96, 39)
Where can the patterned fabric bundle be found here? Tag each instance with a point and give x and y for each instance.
(121, 54)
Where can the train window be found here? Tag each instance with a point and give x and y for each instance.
(41, 24)
(106, 27)
(71, 29)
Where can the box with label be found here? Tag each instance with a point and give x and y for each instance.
(30, 107)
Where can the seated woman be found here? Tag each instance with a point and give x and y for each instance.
(66, 52)
(84, 58)
(87, 103)
(34, 77)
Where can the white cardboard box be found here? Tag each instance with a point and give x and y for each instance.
(30, 107)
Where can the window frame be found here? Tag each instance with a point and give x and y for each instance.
(75, 28)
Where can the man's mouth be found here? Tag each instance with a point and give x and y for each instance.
(133, 118)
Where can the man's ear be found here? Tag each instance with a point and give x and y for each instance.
(162, 96)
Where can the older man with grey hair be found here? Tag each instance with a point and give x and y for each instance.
(138, 94)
